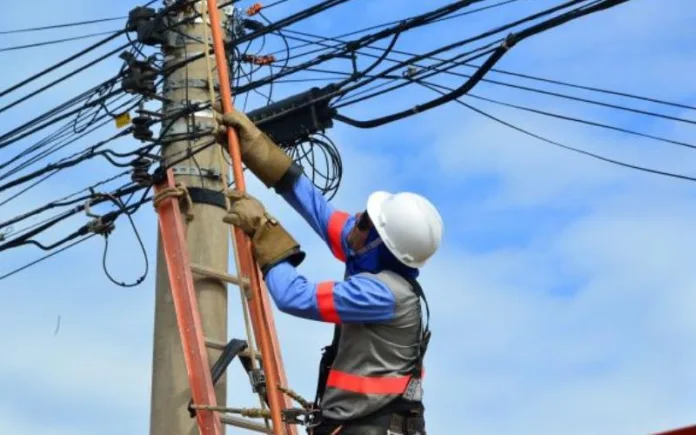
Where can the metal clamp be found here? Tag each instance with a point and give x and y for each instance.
(306, 417)
(194, 171)
(190, 83)
(257, 378)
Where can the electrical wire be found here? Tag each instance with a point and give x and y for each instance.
(310, 149)
(21, 132)
(45, 257)
(68, 200)
(378, 26)
(62, 26)
(92, 151)
(561, 145)
(495, 56)
(124, 210)
(62, 63)
(410, 23)
(70, 161)
(327, 180)
(54, 41)
(103, 221)
(583, 121)
(60, 139)
(292, 19)
(27, 238)
(495, 70)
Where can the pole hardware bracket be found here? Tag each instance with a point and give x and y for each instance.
(149, 26)
(139, 75)
(212, 174)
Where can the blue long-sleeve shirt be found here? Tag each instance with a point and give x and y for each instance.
(357, 299)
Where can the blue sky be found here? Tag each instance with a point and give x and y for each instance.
(563, 295)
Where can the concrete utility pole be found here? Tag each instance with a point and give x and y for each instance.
(208, 240)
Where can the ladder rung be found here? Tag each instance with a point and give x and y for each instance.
(248, 354)
(215, 344)
(245, 424)
(210, 273)
(219, 345)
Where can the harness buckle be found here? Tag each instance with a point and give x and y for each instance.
(309, 418)
(414, 390)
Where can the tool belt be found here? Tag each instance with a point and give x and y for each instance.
(398, 418)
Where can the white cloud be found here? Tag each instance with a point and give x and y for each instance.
(582, 327)
(612, 358)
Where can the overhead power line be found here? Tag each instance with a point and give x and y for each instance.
(348, 84)
(502, 47)
(559, 144)
(61, 63)
(61, 26)
(606, 91)
(582, 121)
(46, 257)
(55, 41)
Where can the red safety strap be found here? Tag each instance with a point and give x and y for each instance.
(367, 384)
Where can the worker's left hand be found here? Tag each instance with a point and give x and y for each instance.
(246, 212)
(247, 132)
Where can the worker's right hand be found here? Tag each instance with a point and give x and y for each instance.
(271, 243)
(247, 132)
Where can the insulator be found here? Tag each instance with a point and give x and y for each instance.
(149, 26)
(141, 128)
(140, 174)
(139, 78)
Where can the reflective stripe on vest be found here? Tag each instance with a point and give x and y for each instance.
(367, 385)
(373, 363)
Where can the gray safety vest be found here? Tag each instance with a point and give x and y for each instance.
(373, 364)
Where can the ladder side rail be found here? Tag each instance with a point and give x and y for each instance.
(258, 311)
(186, 306)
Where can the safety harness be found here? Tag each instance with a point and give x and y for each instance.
(411, 393)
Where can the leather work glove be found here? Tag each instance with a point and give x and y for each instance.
(259, 153)
(271, 243)
(245, 127)
(246, 212)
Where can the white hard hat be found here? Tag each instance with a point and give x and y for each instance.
(409, 225)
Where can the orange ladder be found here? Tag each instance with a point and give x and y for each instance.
(186, 307)
(184, 296)
(194, 343)
(260, 313)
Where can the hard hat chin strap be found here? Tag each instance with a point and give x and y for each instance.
(370, 246)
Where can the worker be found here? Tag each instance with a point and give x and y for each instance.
(370, 377)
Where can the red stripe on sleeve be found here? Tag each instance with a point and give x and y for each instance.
(336, 223)
(325, 302)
